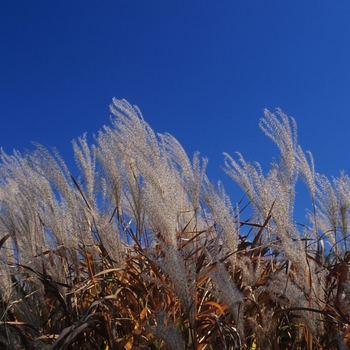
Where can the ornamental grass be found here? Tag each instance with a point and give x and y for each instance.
(142, 251)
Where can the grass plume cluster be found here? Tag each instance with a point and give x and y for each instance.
(142, 251)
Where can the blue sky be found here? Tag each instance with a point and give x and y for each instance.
(201, 70)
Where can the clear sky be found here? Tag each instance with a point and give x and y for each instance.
(201, 70)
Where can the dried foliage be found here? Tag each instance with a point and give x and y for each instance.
(142, 251)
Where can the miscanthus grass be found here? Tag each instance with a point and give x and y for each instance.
(142, 251)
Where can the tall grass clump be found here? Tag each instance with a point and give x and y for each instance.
(142, 251)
